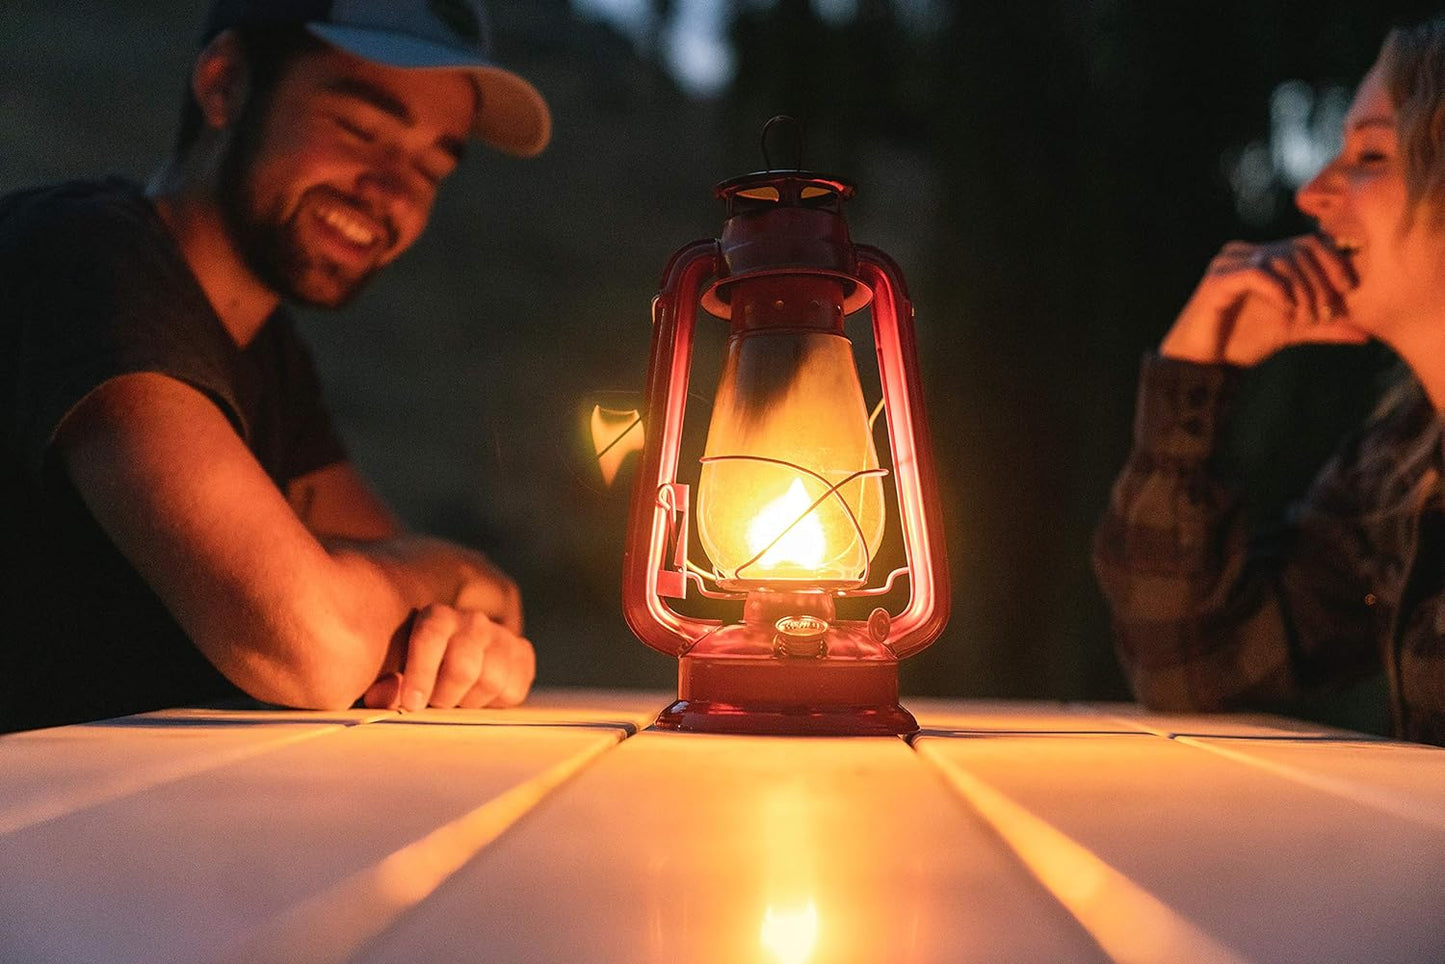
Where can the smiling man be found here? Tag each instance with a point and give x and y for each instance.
(180, 519)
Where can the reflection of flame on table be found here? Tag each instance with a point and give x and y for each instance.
(615, 435)
(791, 933)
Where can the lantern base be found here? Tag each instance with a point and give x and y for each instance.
(706, 716)
(787, 696)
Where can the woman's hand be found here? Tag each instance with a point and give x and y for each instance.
(1258, 298)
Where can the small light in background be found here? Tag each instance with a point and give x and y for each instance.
(615, 435)
(1305, 131)
(697, 50)
(692, 39)
(836, 13)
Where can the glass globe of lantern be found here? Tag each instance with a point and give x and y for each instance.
(790, 494)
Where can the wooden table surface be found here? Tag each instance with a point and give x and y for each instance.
(564, 831)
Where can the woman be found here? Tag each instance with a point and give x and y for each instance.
(1208, 619)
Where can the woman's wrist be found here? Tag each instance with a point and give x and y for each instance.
(1188, 340)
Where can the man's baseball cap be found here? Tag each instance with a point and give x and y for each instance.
(414, 34)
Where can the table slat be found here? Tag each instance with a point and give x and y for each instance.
(726, 849)
(634, 710)
(191, 868)
(46, 774)
(1013, 716)
(1404, 780)
(1270, 867)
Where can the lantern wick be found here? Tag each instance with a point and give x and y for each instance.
(782, 122)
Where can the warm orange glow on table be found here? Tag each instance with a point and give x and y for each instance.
(790, 933)
(1004, 832)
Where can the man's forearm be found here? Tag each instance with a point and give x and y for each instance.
(425, 570)
(415, 566)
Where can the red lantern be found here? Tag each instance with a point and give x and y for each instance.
(790, 504)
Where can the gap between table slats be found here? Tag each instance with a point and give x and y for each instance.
(1129, 923)
(146, 778)
(1363, 794)
(334, 925)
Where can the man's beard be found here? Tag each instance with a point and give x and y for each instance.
(271, 246)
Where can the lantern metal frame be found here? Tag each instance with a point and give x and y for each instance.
(790, 666)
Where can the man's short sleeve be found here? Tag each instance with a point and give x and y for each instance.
(91, 288)
(291, 430)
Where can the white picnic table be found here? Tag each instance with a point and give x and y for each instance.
(566, 831)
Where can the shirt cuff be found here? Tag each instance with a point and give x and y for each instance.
(1182, 406)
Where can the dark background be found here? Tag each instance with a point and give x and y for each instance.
(1052, 176)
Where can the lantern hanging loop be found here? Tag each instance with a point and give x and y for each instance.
(782, 122)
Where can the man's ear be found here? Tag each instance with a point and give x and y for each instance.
(220, 80)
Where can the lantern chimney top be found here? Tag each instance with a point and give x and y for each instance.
(785, 221)
(786, 186)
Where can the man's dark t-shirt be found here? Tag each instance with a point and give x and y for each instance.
(92, 287)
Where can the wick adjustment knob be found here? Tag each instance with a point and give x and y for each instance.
(800, 636)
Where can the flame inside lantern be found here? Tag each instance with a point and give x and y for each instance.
(788, 531)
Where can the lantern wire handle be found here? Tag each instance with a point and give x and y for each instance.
(780, 122)
(700, 578)
(832, 491)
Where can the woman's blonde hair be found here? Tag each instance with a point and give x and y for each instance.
(1414, 66)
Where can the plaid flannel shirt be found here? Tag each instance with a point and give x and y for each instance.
(1208, 615)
